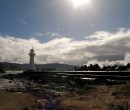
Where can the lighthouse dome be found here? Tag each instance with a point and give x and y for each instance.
(31, 49)
(32, 52)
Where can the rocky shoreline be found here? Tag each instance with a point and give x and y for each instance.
(53, 96)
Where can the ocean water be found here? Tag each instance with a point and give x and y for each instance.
(13, 72)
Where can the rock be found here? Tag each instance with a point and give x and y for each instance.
(2, 70)
(110, 106)
(117, 107)
(26, 108)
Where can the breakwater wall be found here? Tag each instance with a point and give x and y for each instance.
(112, 75)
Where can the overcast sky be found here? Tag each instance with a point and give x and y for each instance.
(59, 32)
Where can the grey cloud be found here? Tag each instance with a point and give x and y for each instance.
(109, 57)
(99, 47)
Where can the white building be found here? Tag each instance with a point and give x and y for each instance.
(31, 62)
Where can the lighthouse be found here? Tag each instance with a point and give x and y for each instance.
(31, 62)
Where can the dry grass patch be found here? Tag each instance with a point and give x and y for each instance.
(124, 88)
(16, 100)
(74, 104)
(93, 99)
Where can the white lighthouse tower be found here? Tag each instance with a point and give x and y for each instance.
(31, 62)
